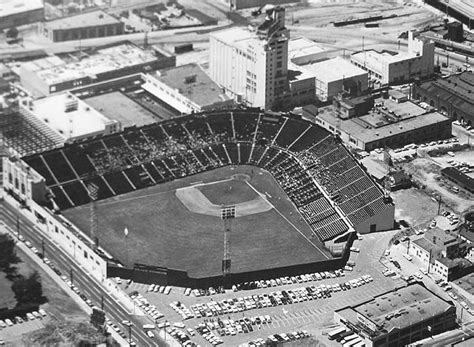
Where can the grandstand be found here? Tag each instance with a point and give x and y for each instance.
(314, 169)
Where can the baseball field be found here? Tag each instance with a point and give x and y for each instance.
(178, 225)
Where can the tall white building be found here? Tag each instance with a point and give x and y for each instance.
(251, 65)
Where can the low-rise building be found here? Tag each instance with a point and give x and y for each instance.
(399, 317)
(14, 13)
(460, 178)
(82, 26)
(387, 124)
(56, 74)
(397, 67)
(68, 118)
(302, 50)
(187, 88)
(451, 95)
(443, 253)
(336, 75)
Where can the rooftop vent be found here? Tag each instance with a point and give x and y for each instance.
(190, 79)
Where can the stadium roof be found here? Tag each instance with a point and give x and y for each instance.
(400, 308)
(10, 7)
(53, 70)
(120, 107)
(192, 82)
(334, 70)
(79, 120)
(86, 19)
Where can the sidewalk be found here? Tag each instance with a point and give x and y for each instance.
(77, 299)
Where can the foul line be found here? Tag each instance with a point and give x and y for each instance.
(294, 227)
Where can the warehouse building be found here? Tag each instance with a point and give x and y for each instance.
(55, 74)
(14, 13)
(362, 123)
(68, 118)
(452, 95)
(187, 89)
(337, 75)
(302, 50)
(86, 25)
(399, 317)
(397, 67)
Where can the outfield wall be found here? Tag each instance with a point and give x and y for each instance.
(165, 276)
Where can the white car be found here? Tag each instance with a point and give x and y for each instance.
(42, 312)
(150, 334)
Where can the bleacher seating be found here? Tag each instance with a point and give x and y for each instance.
(301, 156)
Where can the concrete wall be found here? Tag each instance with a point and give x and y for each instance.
(77, 246)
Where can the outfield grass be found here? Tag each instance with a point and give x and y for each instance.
(163, 232)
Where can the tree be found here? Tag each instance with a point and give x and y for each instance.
(28, 290)
(12, 33)
(8, 256)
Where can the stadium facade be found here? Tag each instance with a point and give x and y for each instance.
(331, 191)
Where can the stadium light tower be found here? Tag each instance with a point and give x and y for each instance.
(227, 214)
(93, 195)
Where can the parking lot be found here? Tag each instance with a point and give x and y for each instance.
(306, 306)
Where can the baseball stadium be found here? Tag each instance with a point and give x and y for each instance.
(159, 191)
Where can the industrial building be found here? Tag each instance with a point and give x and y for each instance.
(365, 124)
(187, 89)
(83, 26)
(251, 65)
(399, 317)
(462, 10)
(337, 75)
(397, 67)
(442, 253)
(68, 118)
(14, 13)
(55, 74)
(302, 50)
(451, 95)
(118, 106)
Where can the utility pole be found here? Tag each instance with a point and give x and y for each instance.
(439, 204)
(130, 333)
(42, 248)
(18, 226)
(102, 301)
(71, 276)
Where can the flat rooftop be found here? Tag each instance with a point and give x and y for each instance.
(193, 83)
(10, 7)
(53, 70)
(83, 20)
(400, 308)
(334, 70)
(298, 73)
(375, 126)
(121, 108)
(376, 60)
(239, 36)
(302, 47)
(80, 120)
